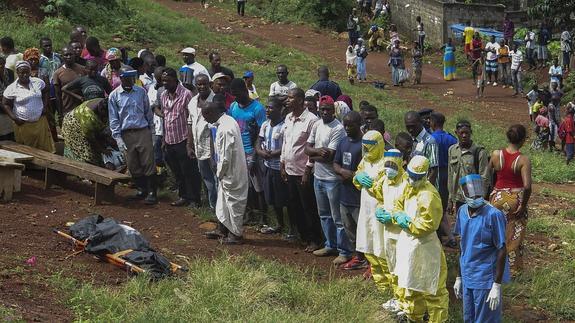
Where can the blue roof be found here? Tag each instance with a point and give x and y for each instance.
(457, 30)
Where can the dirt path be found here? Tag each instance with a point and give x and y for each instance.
(498, 106)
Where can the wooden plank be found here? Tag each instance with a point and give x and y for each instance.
(6, 183)
(65, 165)
(103, 193)
(11, 155)
(11, 165)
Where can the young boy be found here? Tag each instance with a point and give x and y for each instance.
(531, 99)
(347, 158)
(268, 147)
(480, 68)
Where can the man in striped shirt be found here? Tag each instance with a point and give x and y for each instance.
(175, 100)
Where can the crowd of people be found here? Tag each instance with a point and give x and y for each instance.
(348, 188)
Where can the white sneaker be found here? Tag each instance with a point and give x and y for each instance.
(494, 83)
(504, 86)
(488, 82)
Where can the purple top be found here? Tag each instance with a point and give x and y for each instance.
(508, 28)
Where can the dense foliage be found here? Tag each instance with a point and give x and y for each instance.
(560, 13)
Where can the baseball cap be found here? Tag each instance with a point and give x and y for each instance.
(248, 74)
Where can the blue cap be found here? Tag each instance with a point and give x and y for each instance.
(248, 74)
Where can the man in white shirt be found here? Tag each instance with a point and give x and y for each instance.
(283, 85)
(320, 148)
(530, 48)
(516, 61)
(199, 136)
(491, 49)
(189, 55)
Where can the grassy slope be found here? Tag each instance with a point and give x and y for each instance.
(168, 32)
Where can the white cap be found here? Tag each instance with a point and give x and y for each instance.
(188, 50)
(220, 75)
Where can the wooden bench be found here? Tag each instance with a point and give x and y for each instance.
(8, 178)
(57, 167)
(13, 157)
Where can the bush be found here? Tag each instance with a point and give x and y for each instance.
(330, 14)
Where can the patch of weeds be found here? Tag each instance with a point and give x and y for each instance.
(9, 315)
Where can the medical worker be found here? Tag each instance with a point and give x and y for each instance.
(483, 261)
(369, 233)
(387, 190)
(421, 269)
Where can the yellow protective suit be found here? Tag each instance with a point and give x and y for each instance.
(376, 38)
(422, 267)
(369, 235)
(387, 191)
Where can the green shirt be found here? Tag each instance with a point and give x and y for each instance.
(461, 164)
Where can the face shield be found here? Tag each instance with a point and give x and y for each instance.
(392, 163)
(417, 170)
(373, 146)
(473, 190)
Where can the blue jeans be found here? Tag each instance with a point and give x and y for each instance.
(327, 197)
(158, 153)
(209, 180)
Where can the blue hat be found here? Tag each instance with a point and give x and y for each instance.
(129, 73)
(248, 74)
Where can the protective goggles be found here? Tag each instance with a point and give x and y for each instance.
(415, 176)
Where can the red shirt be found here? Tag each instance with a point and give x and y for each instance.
(568, 127)
(176, 114)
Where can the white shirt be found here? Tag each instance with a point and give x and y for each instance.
(565, 44)
(555, 70)
(281, 89)
(158, 121)
(530, 40)
(28, 104)
(491, 46)
(351, 58)
(326, 136)
(516, 59)
(198, 69)
(147, 81)
(200, 128)
(11, 61)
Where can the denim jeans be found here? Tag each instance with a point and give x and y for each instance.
(209, 180)
(327, 197)
(516, 76)
(361, 69)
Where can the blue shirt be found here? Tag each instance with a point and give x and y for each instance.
(444, 140)
(481, 238)
(327, 87)
(348, 155)
(250, 118)
(129, 110)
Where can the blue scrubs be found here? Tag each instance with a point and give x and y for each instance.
(482, 236)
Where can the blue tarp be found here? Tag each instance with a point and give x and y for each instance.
(457, 30)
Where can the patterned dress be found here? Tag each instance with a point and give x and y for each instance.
(80, 129)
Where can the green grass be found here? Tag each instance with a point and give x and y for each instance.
(239, 289)
(9, 315)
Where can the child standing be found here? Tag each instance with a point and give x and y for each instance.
(480, 70)
(531, 99)
(566, 133)
(351, 63)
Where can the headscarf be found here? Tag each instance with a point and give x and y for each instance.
(346, 99)
(22, 64)
(31, 53)
(113, 54)
(373, 146)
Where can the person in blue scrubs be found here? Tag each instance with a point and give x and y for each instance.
(483, 261)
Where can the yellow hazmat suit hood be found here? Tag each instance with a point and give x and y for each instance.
(373, 146)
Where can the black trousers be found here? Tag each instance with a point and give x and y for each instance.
(241, 7)
(185, 171)
(302, 210)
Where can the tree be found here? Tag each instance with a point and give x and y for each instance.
(560, 13)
